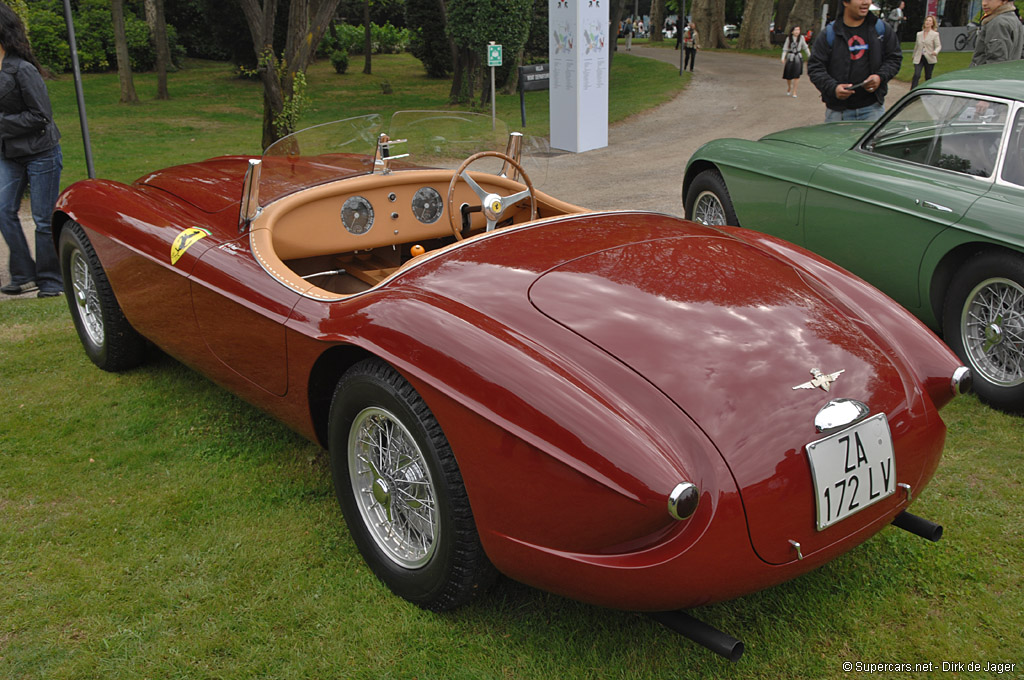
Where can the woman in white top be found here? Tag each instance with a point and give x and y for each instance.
(926, 50)
(792, 59)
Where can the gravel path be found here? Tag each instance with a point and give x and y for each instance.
(731, 95)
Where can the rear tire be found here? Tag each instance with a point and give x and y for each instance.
(401, 491)
(983, 322)
(109, 340)
(708, 202)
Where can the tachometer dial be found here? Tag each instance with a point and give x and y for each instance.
(427, 205)
(357, 215)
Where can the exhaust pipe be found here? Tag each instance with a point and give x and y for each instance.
(701, 633)
(918, 525)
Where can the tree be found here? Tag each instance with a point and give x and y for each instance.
(657, 19)
(802, 14)
(471, 25)
(757, 17)
(124, 65)
(709, 18)
(284, 72)
(158, 34)
(615, 12)
(430, 44)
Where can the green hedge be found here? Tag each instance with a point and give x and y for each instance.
(94, 33)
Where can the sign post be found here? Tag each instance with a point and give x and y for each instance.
(493, 59)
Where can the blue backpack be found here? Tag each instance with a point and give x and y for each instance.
(830, 31)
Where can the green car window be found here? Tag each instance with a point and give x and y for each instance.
(1013, 164)
(957, 133)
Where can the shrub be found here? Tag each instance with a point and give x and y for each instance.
(339, 60)
(429, 43)
(94, 32)
(385, 39)
(46, 34)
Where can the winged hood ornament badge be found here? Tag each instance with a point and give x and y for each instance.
(822, 380)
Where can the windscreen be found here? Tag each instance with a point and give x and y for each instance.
(415, 139)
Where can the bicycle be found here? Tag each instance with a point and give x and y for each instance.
(967, 40)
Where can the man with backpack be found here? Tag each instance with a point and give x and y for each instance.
(852, 62)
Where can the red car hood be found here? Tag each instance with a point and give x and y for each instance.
(727, 331)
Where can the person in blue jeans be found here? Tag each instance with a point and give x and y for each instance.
(852, 61)
(30, 158)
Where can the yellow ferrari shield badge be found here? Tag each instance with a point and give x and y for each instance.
(184, 241)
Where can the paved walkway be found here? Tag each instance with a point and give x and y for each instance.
(731, 95)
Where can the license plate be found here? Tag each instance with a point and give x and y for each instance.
(852, 469)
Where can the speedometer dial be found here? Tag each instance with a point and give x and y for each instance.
(427, 205)
(357, 215)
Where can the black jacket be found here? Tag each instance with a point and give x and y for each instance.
(829, 65)
(26, 119)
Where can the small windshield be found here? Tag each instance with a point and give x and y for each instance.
(416, 139)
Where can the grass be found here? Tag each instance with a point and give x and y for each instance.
(212, 112)
(153, 526)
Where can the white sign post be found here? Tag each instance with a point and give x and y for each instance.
(578, 54)
(493, 60)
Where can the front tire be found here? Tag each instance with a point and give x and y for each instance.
(707, 201)
(109, 340)
(983, 322)
(401, 491)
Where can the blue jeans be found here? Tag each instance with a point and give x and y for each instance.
(41, 174)
(870, 112)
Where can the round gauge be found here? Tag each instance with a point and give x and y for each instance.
(427, 205)
(357, 215)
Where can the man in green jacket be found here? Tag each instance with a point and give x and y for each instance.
(1001, 36)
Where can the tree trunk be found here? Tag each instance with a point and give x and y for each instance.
(158, 36)
(367, 40)
(782, 14)
(451, 42)
(124, 65)
(615, 11)
(757, 17)
(802, 15)
(307, 22)
(709, 18)
(657, 19)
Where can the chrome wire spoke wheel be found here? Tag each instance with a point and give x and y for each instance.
(992, 328)
(87, 297)
(707, 209)
(393, 488)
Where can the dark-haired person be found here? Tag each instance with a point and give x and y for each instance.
(1001, 36)
(29, 156)
(852, 61)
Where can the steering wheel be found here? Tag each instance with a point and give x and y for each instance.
(493, 206)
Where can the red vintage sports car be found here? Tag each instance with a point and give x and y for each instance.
(624, 407)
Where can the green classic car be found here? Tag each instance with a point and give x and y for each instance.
(927, 204)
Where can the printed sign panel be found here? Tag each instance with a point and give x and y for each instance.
(494, 55)
(578, 56)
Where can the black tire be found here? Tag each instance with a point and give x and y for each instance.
(109, 340)
(960, 42)
(707, 200)
(408, 514)
(983, 322)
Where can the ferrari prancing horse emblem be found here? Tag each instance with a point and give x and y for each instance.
(822, 380)
(184, 241)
